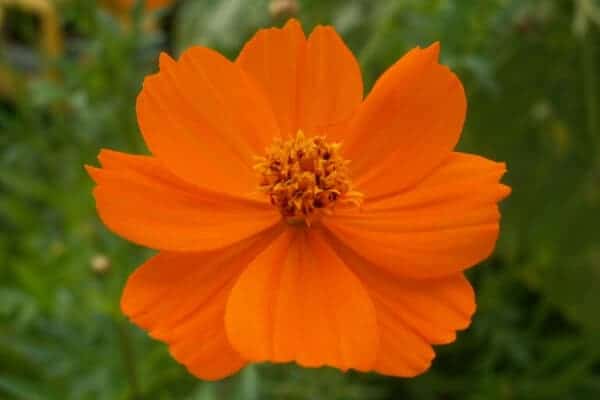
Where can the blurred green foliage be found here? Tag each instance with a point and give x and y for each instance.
(530, 68)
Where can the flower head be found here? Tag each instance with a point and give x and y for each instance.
(295, 220)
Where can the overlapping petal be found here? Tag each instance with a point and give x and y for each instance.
(311, 83)
(331, 86)
(297, 301)
(139, 199)
(445, 224)
(206, 120)
(412, 314)
(407, 125)
(180, 299)
(366, 289)
(274, 58)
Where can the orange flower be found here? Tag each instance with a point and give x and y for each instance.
(297, 222)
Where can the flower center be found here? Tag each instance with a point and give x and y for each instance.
(305, 176)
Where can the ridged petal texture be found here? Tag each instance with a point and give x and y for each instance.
(297, 301)
(369, 288)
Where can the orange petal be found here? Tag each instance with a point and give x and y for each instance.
(298, 302)
(412, 314)
(206, 120)
(139, 199)
(402, 352)
(274, 57)
(311, 83)
(445, 224)
(145, 168)
(434, 308)
(180, 299)
(407, 125)
(331, 86)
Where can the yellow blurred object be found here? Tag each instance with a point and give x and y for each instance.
(100, 264)
(49, 43)
(50, 35)
(283, 9)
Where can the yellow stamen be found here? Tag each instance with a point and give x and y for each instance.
(305, 177)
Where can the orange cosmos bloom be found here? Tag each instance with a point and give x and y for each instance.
(294, 220)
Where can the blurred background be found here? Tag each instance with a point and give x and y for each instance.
(69, 75)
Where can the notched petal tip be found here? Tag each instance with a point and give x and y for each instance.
(202, 55)
(428, 54)
(505, 191)
(292, 27)
(165, 61)
(107, 155)
(103, 157)
(499, 170)
(320, 27)
(293, 24)
(93, 172)
(434, 48)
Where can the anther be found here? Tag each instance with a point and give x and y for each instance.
(305, 176)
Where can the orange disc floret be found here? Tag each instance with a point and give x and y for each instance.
(304, 177)
(390, 214)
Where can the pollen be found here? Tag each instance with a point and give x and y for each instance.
(305, 177)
